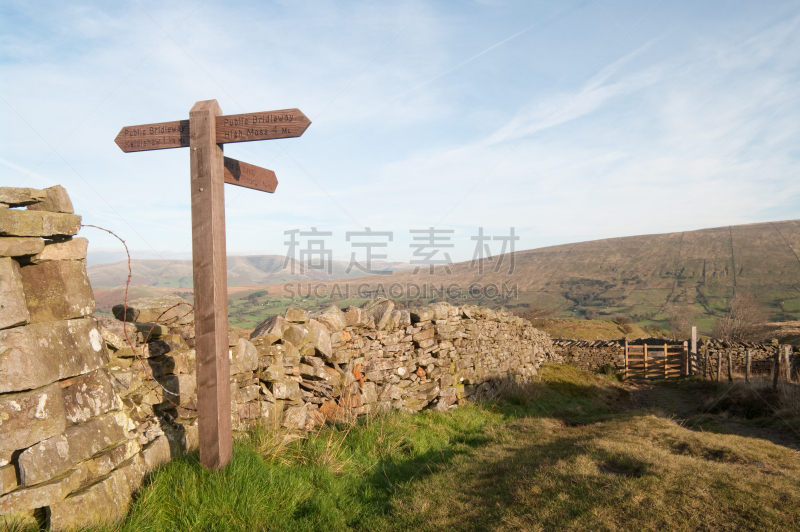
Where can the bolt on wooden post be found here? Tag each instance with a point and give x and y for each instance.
(204, 134)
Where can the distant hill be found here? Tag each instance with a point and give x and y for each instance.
(644, 277)
(242, 270)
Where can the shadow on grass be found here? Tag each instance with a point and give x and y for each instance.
(751, 410)
(618, 475)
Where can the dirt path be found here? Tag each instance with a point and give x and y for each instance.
(668, 400)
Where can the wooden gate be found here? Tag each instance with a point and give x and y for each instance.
(656, 361)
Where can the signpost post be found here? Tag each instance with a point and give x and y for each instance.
(204, 134)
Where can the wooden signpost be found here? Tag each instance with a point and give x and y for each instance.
(204, 134)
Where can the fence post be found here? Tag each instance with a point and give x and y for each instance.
(694, 348)
(719, 364)
(777, 369)
(788, 371)
(706, 372)
(666, 359)
(687, 367)
(626, 358)
(645, 361)
(747, 361)
(730, 367)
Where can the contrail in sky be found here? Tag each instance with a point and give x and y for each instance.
(461, 64)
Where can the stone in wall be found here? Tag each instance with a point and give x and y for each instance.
(72, 249)
(63, 425)
(271, 329)
(30, 417)
(59, 453)
(168, 309)
(8, 479)
(13, 310)
(20, 246)
(15, 222)
(57, 290)
(243, 357)
(20, 197)
(42, 353)
(102, 502)
(89, 396)
(100, 465)
(55, 199)
(43, 495)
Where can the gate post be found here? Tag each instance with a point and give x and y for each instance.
(687, 359)
(787, 349)
(626, 358)
(645, 361)
(747, 363)
(777, 369)
(730, 367)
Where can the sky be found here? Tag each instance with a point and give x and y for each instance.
(566, 121)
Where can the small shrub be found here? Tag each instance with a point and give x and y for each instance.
(624, 323)
(610, 371)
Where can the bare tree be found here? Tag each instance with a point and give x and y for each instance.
(680, 323)
(745, 322)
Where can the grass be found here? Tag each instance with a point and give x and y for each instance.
(740, 407)
(571, 452)
(581, 329)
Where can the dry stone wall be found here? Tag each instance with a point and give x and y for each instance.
(70, 453)
(590, 356)
(762, 356)
(594, 355)
(373, 358)
(89, 404)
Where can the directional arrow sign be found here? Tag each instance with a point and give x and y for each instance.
(261, 126)
(249, 176)
(154, 136)
(268, 125)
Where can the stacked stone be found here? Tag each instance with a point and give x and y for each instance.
(591, 355)
(66, 447)
(762, 355)
(154, 362)
(337, 364)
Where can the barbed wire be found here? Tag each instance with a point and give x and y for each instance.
(140, 354)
